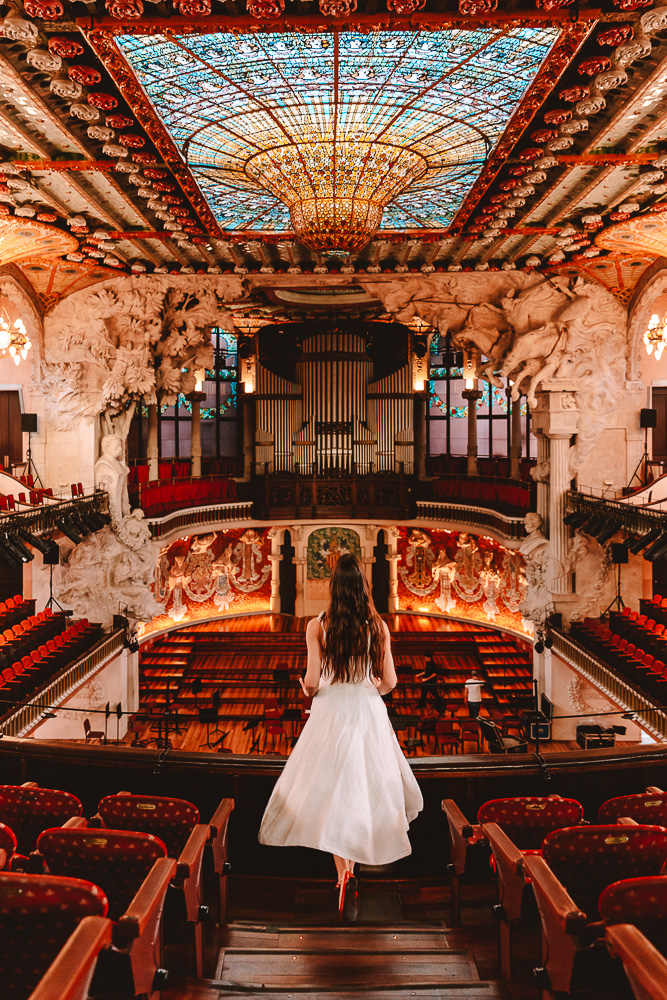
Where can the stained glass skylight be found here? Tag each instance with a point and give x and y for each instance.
(315, 132)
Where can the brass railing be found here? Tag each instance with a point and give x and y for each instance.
(24, 718)
(649, 716)
(473, 517)
(195, 517)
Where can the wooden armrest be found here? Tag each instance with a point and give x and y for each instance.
(565, 910)
(626, 821)
(29, 784)
(644, 966)
(67, 978)
(150, 895)
(191, 854)
(456, 819)
(75, 823)
(653, 790)
(221, 817)
(499, 841)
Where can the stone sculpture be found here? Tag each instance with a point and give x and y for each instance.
(111, 475)
(531, 329)
(129, 339)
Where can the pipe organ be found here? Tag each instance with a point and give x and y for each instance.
(345, 407)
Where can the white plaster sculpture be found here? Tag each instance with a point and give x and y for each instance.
(129, 339)
(535, 550)
(103, 576)
(444, 570)
(111, 475)
(532, 329)
(225, 568)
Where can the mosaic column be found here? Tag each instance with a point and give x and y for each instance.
(196, 398)
(472, 396)
(152, 451)
(557, 418)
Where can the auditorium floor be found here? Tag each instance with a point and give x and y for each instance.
(241, 669)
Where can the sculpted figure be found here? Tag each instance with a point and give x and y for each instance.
(111, 475)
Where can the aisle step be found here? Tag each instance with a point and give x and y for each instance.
(379, 969)
(329, 939)
(201, 989)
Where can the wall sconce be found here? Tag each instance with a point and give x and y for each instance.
(200, 378)
(469, 367)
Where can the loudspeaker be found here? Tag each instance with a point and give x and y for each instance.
(52, 556)
(29, 423)
(120, 621)
(619, 553)
(648, 418)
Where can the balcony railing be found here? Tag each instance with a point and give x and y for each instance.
(284, 495)
(21, 720)
(651, 717)
(195, 517)
(475, 518)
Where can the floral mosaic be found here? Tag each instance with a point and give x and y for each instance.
(326, 546)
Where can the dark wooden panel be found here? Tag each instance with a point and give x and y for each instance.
(11, 440)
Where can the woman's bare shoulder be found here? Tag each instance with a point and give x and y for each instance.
(313, 626)
(386, 629)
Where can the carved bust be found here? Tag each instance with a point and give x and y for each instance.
(111, 475)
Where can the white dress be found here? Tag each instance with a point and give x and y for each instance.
(346, 787)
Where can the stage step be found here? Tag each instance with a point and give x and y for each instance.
(201, 989)
(376, 938)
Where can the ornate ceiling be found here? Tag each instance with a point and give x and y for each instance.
(193, 139)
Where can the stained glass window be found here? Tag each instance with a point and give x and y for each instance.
(255, 113)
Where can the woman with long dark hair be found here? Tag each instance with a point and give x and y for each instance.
(346, 788)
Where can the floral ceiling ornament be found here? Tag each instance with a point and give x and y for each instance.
(263, 9)
(125, 9)
(337, 8)
(48, 10)
(469, 8)
(193, 8)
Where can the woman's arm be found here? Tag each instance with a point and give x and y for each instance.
(312, 681)
(388, 682)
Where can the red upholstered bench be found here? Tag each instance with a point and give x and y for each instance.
(28, 810)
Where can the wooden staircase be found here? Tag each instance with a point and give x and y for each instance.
(287, 959)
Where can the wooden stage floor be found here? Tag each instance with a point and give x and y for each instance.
(247, 664)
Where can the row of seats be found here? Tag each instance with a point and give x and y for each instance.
(58, 870)
(25, 675)
(29, 633)
(641, 668)
(35, 497)
(14, 610)
(584, 877)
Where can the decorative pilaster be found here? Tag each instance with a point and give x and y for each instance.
(472, 396)
(556, 416)
(540, 474)
(301, 583)
(277, 536)
(392, 534)
(196, 398)
(419, 433)
(515, 435)
(152, 442)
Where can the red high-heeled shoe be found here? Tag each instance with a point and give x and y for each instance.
(347, 896)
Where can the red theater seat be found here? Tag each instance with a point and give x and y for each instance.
(28, 810)
(7, 846)
(568, 880)
(638, 901)
(646, 807)
(645, 968)
(38, 913)
(176, 822)
(134, 872)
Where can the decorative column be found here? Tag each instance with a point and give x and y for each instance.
(557, 417)
(246, 404)
(393, 557)
(472, 396)
(419, 433)
(196, 398)
(515, 435)
(152, 442)
(301, 583)
(540, 474)
(277, 536)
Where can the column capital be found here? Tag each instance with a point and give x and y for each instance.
(556, 414)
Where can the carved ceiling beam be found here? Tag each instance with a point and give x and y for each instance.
(605, 159)
(59, 166)
(385, 21)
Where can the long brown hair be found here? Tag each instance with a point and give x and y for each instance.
(353, 631)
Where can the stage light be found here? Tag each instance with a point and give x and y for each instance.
(21, 547)
(8, 558)
(78, 524)
(644, 540)
(657, 550)
(17, 549)
(593, 524)
(576, 518)
(40, 544)
(68, 530)
(608, 531)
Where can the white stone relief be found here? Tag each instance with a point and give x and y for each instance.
(128, 340)
(532, 329)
